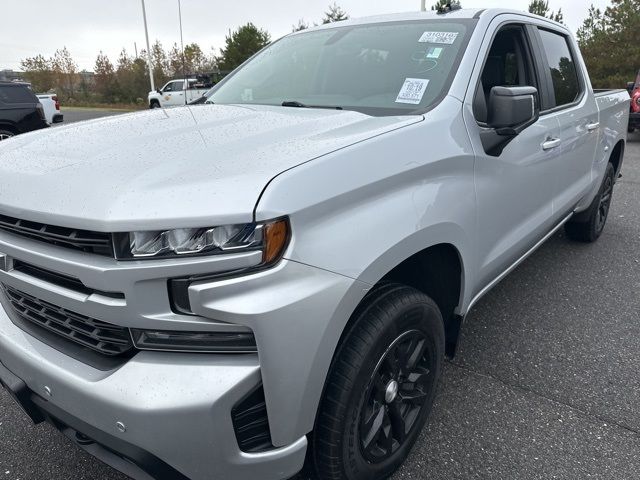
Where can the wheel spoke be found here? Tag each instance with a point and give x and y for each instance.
(387, 437)
(418, 377)
(398, 424)
(373, 426)
(415, 353)
(414, 396)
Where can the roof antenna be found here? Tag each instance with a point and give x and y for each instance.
(448, 7)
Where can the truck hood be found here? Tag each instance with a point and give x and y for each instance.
(184, 167)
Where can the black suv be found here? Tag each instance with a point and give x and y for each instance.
(20, 110)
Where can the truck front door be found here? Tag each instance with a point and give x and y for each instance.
(173, 93)
(514, 188)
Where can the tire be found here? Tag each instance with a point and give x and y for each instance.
(591, 225)
(154, 104)
(631, 129)
(380, 386)
(5, 134)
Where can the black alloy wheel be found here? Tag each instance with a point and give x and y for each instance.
(397, 392)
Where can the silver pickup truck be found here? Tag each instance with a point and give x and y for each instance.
(283, 268)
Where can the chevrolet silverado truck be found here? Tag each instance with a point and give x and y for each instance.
(278, 272)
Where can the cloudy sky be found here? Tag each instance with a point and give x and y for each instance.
(85, 27)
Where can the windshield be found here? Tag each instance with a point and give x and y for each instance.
(378, 69)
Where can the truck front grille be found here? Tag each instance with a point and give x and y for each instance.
(101, 337)
(92, 242)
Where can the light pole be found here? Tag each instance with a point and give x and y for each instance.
(146, 34)
(184, 72)
(423, 5)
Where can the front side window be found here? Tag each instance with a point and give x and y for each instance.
(378, 69)
(173, 87)
(562, 67)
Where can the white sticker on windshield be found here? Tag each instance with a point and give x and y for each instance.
(434, 52)
(412, 91)
(446, 38)
(247, 95)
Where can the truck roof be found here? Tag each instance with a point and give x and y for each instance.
(463, 13)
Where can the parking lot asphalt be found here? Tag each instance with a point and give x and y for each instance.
(73, 115)
(545, 383)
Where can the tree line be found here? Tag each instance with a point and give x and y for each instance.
(608, 40)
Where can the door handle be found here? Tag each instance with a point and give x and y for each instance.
(593, 126)
(551, 143)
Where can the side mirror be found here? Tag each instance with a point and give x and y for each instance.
(631, 87)
(159, 91)
(512, 109)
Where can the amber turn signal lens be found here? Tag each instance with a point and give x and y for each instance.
(276, 237)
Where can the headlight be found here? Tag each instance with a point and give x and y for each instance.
(269, 237)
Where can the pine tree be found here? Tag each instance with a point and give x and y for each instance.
(242, 44)
(541, 7)
(335, 14)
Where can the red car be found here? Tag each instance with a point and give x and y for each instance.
(634, 115)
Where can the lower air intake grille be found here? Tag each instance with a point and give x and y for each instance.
(102, 337)
(251, 424)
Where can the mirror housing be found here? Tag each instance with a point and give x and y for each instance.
(631, 86)
(159, 91)
(512, 109)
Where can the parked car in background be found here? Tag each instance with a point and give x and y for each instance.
(283, 267)
(180, 92)
(51, 106)
(20, 110)
(634, 114)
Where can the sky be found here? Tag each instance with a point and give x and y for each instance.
(87, 27)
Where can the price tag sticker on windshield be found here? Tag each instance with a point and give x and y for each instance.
(443, 38)
(412, 91)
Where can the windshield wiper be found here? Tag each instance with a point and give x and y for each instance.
(296, 104)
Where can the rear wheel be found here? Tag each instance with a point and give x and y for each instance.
(380, 387)
(590, 228)
(5, 134)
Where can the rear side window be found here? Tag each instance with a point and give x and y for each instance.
(562, 66)
(13, 94)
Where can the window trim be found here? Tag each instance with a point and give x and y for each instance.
(544, 67)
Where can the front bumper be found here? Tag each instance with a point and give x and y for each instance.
(634, 120)
(174, 409)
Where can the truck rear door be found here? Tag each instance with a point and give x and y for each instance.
(572, 103)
